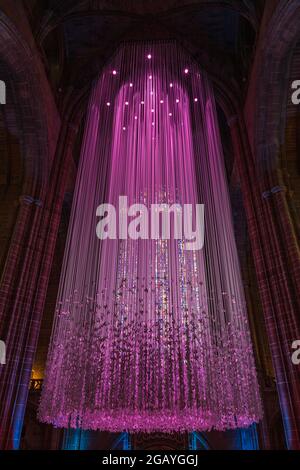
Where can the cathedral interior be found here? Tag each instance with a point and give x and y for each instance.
(51, 54)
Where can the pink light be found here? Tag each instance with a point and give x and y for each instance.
(150, 77)
(152, 110)
(171, 85)
(186, 71)
(149, 347)
(131, 85)
(114, 72)
(161, 101)
(126, 103)
(195, 99)
(149, 56)
(108, 103)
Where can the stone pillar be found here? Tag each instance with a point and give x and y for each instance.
(276, 260)
(23, 290)
(16, 318)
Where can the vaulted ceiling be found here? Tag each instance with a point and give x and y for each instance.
(74, 35)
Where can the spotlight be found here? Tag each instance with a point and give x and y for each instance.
(171, 85)
(186, 71)
(131, 84)
(195, 99)
(152, 110)
(170, 114)
(108, 103)
(126, 103)
(114, 72)
(150, 77)
(149, 56)
(177, 101)
(142, 102)
(161, 101)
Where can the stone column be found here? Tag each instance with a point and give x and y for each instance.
(276, 259)
(23, 290)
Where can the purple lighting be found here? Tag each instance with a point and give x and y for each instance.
(148, 335)
(149, 56)
(186, 71)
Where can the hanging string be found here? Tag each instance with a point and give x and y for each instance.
(149, 336)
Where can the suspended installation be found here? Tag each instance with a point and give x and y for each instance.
(149, 336)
